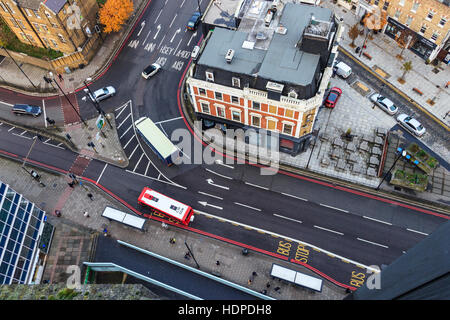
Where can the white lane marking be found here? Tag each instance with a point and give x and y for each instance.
(138, 162)
(220, 162)
(218, 174)
(5, 103)
(334, 208)
(123, 121)
(158, 15)
(101, 174)
(204, 203)
(246, 206)
(163, 121)
(12, 128)
(211, 182)
(52, 145)
(148, 164)
(374, 243)
(161, 41)
(380, 221)
(290, 195)
(182, 4)
(123, 109)
(288, 238)
(45, 114)
(210, 195)
(133, 152)
(47, 140)
(132, 137)
(425, 234)
(170, 25)
(131, 126)
(16, 134)
(169, 183)
(325, 229)
(23, 133)
(256, 186)
(287, 218)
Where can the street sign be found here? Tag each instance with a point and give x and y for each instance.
(100, 123)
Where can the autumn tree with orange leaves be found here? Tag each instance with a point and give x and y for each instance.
(114, 13)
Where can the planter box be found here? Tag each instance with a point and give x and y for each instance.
(421, 158)
(414, 181)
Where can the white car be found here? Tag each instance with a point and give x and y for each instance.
(103, 93)
(384, 103)
(411, 124)
(151, 70)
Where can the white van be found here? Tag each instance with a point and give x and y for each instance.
(195, 52)
(343, 70)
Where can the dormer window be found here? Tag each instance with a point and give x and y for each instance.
(236, 82)
(292, 94)
(209, 76)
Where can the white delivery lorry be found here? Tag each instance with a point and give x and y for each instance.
(343, 70)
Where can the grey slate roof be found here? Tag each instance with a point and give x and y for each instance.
(281, 62)
(55, 5)
(29, 4)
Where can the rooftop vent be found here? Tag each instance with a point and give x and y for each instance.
(229, 56)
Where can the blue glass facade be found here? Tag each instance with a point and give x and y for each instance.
(21, 224)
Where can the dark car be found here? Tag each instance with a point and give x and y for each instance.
(193, 21)
(26, 109)
(333, 97)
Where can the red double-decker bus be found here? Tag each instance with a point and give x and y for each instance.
(166, 205)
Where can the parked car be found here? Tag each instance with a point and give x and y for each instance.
(411, 124)
(103, 93)
(151, 70)
(26, 109)
(333, 97)
(384, 103)
(195, 52)
(342, 69)
(194, 21)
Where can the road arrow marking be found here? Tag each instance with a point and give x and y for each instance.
(142, 27)
(159, 28)
(211, 182)
(204, 203)
(176, 32)
(218, 161)
(193, 35)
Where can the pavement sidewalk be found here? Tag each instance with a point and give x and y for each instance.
(430, 79)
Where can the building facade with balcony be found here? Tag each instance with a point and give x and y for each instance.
(270, 73)
(67, 26)
(426, 22)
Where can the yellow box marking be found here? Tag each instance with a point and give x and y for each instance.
(381, 72)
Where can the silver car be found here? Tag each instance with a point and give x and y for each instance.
(384, 103)
(411, 124)
(102, 94)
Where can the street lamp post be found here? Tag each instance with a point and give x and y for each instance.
(67, 98)
(401, 153)
(18, 66)
(364, 43)
(95, 102)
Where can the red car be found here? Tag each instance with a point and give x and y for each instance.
(333, 97)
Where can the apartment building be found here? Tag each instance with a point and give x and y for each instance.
(267, 70)
(426, 21)
(63, 25)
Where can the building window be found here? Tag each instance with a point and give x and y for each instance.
(430, 15)
(415, 6)
(24, 36)
(256, 121)
(220, 111)
(292, 94)
(408, 20)
(289, 113)
(61, 38)
(46, 41)
(202, 91)
(256, 105)
(273, 109)
(218, 95)
(48, 14)
(423, 29)
(236, 116)
(36, 26)
(376, 2)
(22, 24)
(54, 43)
(271, 124)
(28, 12)
(54, 25)
(236, 82)
(434, 36)
(30, 37)
(36, 13)
(10, 9)
(234, 99)
(386, 5)
(287, 128)
(3, 7)
(14, 23)
(397, 14)
(44, 27)
(205, 107)
(209, 76)
(442, 22)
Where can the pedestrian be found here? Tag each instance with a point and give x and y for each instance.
(187, 256)
(264, 291)
(70, 184)
(86, 214)
(249, 281)
(268, 285)
(105, 232)
(60, 77)
(277, 289)
(58, 213)
(446, 85)
(90, 196)
(172, 240)
(217, 263)
(254, 273)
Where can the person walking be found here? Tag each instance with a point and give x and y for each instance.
(254, 273)
(249, 281)
(217, 263)
(60, 77)
(172, 240)
(86, 214)
(70, 184)
(90, 196)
